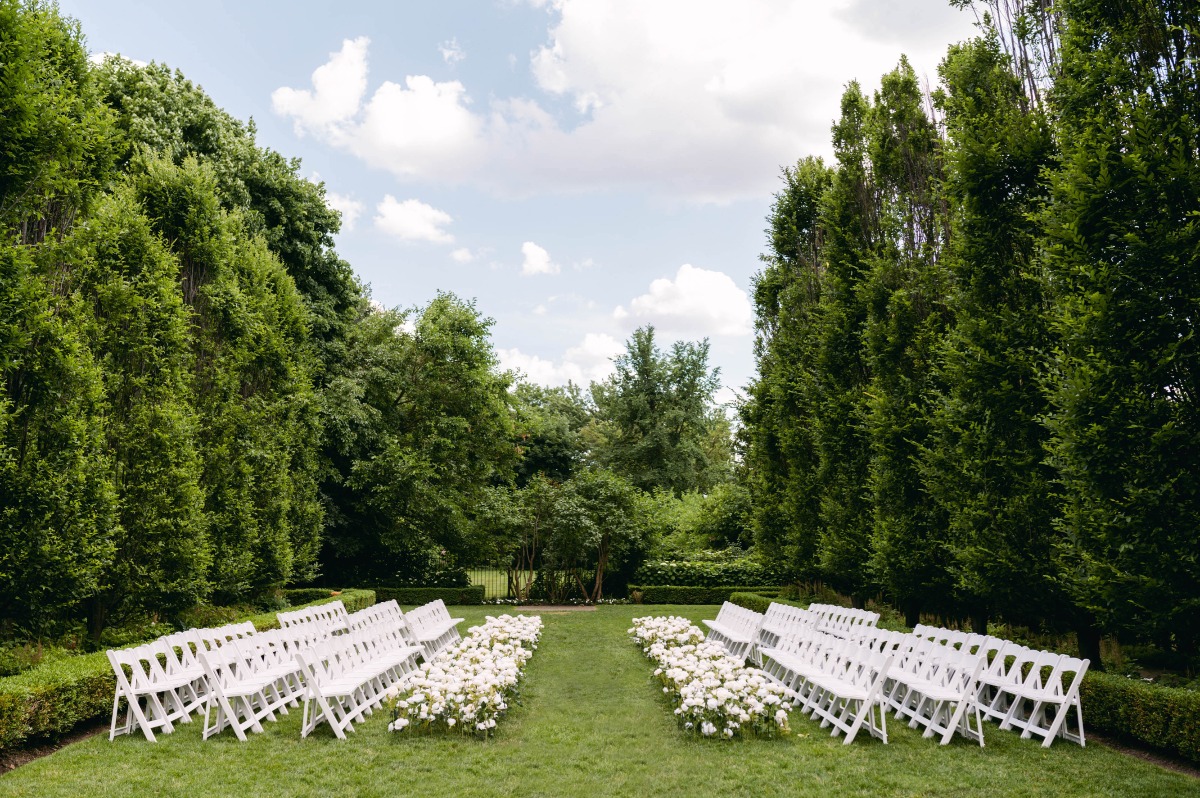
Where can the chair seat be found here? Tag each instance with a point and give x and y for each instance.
(720, 628)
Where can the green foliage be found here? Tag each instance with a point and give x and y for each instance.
(1163, 718)
(55, 137)
(985, 464)
(137, 328)
(780, 418)
(417, 596)
(655, 417)
(742, 571)
(548, 422)
(684, 594)
(418, 424)
(1123, 237)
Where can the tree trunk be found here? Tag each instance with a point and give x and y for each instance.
(1088, 635)
(979, 622)
(97, 615)
(912, 614)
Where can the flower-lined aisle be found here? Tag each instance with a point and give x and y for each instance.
(468, 686)
(712, 692)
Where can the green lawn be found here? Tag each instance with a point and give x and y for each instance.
(494, 581)
(592, 724)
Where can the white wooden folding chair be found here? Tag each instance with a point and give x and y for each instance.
(146, 681)
(1042, 703)
(241, 697)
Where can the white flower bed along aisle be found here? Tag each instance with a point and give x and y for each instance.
(468, 687)
(712, 692)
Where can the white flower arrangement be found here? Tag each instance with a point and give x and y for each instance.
(468, 687)
(713, 693)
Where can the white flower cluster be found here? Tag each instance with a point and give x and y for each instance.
(467, 687)
(712, 692)
(667, 629)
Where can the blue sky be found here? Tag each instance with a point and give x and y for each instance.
(578, 167)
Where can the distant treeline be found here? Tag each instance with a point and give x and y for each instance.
(979, 368)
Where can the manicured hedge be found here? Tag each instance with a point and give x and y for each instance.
(1165, 718)
(303, 595)
(702, 573)
(686, 594)
(424, 595)
(51, 699)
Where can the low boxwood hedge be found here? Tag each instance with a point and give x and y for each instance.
(705, 573)
(1165, 718)
(424, 595)
(685, 594)
(48, 701)
(303, 595)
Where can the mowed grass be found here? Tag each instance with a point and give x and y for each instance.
(494, 581)
(591, 722)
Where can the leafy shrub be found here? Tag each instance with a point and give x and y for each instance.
(472, 594)
(303, 595)
(1160, 717)
(702, 573)
(690, 594)
(51, 699)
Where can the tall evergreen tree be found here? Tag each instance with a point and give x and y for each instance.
(906, 317)
(850, 218)
(780, 418)
(1123, 255)
(985, 464)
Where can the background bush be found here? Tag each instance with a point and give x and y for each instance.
(705, 573)
(690, 594)
(472, 594)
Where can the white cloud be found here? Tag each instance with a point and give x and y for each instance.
(100, 58)
(697, 302)
(413, 220)
(462, 255)
(451, 52)
(588, 361)
(338, 89)
(537, 261)
(694, 99)
(347, 206)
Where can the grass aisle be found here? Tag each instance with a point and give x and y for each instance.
(590, 723)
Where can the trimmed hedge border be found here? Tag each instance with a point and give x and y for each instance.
(1166, 719)
(50, 700)
(685, 594)
(423, 595)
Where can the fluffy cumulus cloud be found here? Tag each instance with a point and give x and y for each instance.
(694, 99)
(537, 260)
(591, 360)
(347, 206)
(337, 92)
(697, 302)
(412, 220)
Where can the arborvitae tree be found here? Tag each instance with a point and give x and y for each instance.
(905, 320)
(655, 406)
(1123, 254)
(850, 219)
(161, 112)
(780, 417)
(259, 427)
(57, 508)
(136, 325)
(985, 464)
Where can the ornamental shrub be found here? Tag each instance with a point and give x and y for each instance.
(699, 573)
(688, 594)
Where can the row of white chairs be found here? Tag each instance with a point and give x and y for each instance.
(349, 676)
(943, 680)
(241, 677)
